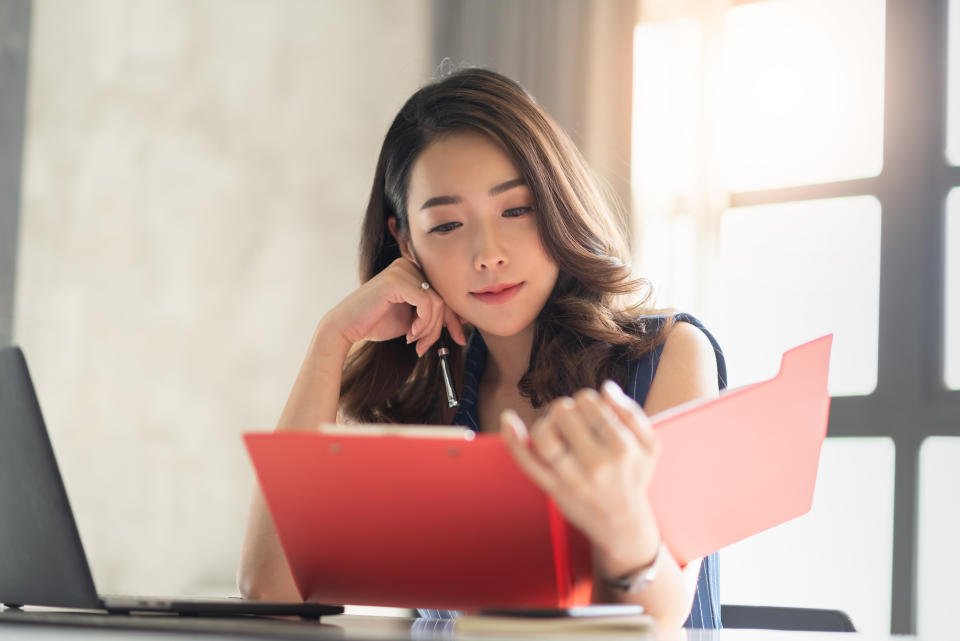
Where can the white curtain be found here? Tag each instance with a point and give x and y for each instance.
(678, 196)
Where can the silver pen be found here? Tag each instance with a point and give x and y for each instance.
(443, 353)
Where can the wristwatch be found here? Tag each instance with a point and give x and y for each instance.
(638, 579)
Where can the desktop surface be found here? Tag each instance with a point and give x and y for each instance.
(45, 624)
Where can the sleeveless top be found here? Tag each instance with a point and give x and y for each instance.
(705, 611)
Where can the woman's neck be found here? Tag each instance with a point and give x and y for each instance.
(508, 358)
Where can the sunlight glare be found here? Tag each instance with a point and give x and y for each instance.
(803, 99)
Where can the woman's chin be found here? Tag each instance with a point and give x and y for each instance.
(501, 328)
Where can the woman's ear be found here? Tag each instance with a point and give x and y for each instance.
(406, 249)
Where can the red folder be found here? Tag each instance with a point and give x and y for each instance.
(379, 515)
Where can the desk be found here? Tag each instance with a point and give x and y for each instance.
(44, 626)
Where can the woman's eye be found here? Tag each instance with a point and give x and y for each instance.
(445, 227)
(517, 211)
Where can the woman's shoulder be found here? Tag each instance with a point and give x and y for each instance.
(687, 335)
(677, 328)
(655, 320)
(686, 362)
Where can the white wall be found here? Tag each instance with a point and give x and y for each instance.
(194, 179)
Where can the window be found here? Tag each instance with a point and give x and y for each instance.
(938, 555)
(953, 84)
(802, 93)
(781, 287)
(951, 374)
(708, 128)
(759, 191)
(846, 536)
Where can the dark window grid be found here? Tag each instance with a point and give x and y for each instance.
(911, 401)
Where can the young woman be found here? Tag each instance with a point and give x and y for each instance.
(485, 220)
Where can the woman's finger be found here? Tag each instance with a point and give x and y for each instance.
(434, 325)
(545, 440)
(517, 440)
(454, 326)
(631, 414)
(575, 429)
(611, 434)
(423, 299)
(407, 289)
(436, 322)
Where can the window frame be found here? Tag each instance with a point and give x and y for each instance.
(911, 401)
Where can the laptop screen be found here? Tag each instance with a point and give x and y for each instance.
(41, 557)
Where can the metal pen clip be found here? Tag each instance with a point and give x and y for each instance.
(443, 353)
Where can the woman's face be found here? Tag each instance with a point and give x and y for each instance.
(473, 231)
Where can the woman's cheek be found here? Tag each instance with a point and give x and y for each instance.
(442, 262)
(444, 282)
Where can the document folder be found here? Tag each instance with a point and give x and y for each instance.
(426, 517)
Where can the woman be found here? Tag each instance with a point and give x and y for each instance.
(485, 220)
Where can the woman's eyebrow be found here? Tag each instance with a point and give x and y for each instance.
(453, 200)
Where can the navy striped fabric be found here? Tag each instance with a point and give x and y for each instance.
(705, 612)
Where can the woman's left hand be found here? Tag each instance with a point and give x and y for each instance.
(594, 455)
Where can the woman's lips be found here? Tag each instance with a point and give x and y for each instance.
(499, 297)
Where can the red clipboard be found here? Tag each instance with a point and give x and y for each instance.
(425, 517)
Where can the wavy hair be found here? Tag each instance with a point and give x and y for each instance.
(591, 325)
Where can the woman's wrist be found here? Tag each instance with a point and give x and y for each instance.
(632, 545)
(315, 396)
(328, 340)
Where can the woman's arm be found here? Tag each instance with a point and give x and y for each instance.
(595, 454)
(263, 573)
(387, 306)
(687, 370)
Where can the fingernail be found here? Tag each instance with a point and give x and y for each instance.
(616, 394)
(612, 388)
(513, 422)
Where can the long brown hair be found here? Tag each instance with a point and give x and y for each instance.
(590, 326)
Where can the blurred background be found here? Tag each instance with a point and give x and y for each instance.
(182, 184)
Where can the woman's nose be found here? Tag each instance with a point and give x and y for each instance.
(490, 251)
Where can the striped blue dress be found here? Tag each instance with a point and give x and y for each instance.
(705, 612)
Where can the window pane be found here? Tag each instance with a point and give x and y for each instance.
(938, 558)
(951, 374)
(665, 102)
(803, 92)
(791, 272)
(953, 85)
(837, 556)
(669, 259)
(666, 107)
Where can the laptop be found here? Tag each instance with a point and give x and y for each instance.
(42, 562)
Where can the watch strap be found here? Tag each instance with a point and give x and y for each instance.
(640, 578)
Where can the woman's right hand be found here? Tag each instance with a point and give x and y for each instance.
(393, 303)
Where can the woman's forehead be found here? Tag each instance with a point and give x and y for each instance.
(458, 162)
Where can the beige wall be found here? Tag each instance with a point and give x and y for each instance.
(194, 180)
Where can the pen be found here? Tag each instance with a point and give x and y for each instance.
(443, 353)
